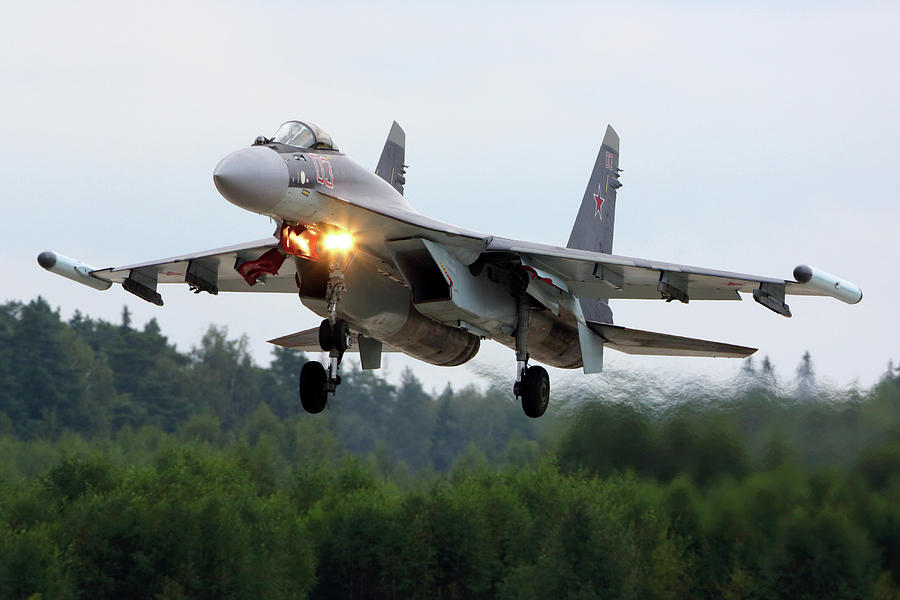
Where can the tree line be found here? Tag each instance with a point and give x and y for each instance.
(133, 470)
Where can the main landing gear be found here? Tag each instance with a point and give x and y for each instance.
(316, 382)
(532, 383)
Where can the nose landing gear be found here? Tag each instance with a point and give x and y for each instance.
(532, 383)
(334, 337)
(316, 382)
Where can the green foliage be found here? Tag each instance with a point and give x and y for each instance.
(100, 379)
(152, 516)
(194, 524)
(132, 470)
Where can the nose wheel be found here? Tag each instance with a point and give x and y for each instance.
(334, 337)
(313, 387)
(316, 382)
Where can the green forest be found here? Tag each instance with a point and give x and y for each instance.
(133, 470)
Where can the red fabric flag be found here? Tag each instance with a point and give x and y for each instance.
(267, 264)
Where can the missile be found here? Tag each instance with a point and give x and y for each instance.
(828, 284)
(72, 269)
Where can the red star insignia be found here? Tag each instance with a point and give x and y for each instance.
(599, 202)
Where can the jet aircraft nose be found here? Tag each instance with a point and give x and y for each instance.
(254, 178)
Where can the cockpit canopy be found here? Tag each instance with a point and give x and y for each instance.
(303, 135)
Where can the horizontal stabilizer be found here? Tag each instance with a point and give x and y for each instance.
(308, 341)
(636, 341)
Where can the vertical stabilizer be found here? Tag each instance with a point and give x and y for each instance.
(593, 229)
(390, 165)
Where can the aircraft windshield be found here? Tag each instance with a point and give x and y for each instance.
(295, 133)
(303, 135)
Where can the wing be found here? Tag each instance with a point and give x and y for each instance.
(596, 275)
(257, 266)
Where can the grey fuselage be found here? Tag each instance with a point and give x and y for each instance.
(415, 283)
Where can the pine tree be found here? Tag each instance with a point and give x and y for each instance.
(806, 378)
(285, 369)
(893, 373)
(767, 373)
(747, 367)
(413, 421)
(126, 317)
(449, 434)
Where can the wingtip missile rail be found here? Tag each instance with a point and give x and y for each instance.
(828, 284)
(72, 269)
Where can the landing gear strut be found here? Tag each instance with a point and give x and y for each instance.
(316, 382)
(532, 383)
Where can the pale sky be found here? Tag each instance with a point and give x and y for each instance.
(754, 138)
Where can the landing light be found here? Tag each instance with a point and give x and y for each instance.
(338, 241)
(299, 240)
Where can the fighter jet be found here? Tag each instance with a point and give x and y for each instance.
(387, 278)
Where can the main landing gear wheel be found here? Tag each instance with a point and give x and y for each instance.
(535, 391)
(313, 387)
(532, 383)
